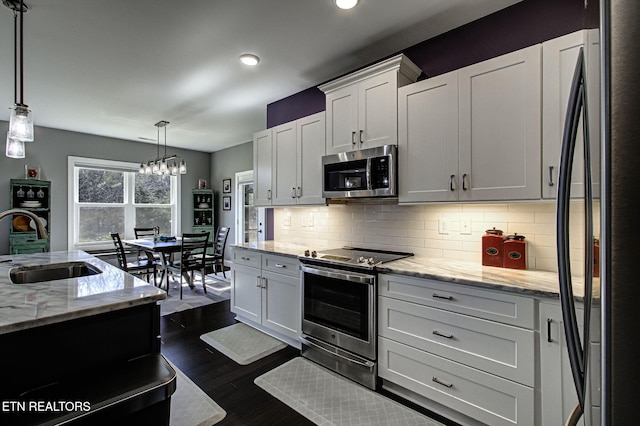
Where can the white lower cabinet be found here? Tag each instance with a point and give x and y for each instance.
(265, 293)
(447, 344)
(558, 394)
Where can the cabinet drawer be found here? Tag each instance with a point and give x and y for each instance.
(496, 348)
(281, 265)
(482, 396)
(246, 257)
(487, 304)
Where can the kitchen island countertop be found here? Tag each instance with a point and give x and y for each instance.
(528, 282)
(24, 306)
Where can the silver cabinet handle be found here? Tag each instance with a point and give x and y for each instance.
(264, 283)
(280, 265)
(293, 192)
(246, 258)
(268, 194)
(437, 296)
(298, 192)
(551, 176)
(464, 184)
(361, 140)
(549, 321)
(447, 336)
(353, 138)
(451, 182)
(258, 278)
(446, 385)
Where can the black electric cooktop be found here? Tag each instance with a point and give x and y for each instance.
(354, 256)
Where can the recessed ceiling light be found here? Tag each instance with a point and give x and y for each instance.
(346, 4)
(249, 59)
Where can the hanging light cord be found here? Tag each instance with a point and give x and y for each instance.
(15, 57)
(21, 52)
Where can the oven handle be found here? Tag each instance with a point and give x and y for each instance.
(338, 274)
(310, 341)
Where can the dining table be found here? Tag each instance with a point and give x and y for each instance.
(166, 249)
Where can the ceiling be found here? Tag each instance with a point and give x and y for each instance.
(114, 68)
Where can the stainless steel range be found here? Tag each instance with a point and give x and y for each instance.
(339, 292)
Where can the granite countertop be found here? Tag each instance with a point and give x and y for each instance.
(24, 306)
(528, 282)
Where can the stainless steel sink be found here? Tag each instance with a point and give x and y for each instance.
(51, 272)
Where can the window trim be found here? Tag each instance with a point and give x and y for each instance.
(72, 213)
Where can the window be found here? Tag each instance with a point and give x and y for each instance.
(109, 196)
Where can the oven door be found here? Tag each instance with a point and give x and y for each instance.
(338, 307)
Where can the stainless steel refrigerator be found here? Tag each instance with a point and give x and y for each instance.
(605, 357)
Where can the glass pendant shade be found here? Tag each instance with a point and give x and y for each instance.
(183, 168)
(147, 169)
(21, 123)
(174, 169)
(142, 169)
(15, 148)
(163, 166)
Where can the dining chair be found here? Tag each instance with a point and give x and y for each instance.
(140, 267)
(192, 254)
(146, 233)
(216, 260)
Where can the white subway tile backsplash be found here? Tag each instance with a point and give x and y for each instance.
(415, 228)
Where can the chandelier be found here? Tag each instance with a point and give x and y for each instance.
(165, 165)
(20, 119)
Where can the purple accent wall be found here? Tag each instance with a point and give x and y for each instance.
(523, 24)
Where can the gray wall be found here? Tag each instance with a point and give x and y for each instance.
(50, 151)
(224, 165)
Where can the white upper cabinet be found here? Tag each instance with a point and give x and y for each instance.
(500, 127)
(559, 58)
(473, 134)
(262, 167)
(294, 156)
(428, 140)
(361, 109)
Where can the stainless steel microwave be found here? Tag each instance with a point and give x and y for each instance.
(368, 172)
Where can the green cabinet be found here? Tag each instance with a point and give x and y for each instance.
(202, 207)
(35, 196)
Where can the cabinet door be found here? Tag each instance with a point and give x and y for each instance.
(558, 64)
(262, 167)
(556, 381)
(246, 292)
(378, 111)
(342, 119)
(500, 127)
(311, 148)
(281, 303)
(285, 155)
(428, 140)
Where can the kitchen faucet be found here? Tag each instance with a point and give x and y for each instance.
(42, 232)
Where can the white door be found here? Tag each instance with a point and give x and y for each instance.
(311, 148)
(281, 303)
(378, 111)
(428, 140)
(342, 119)
(284, 180)
(246, 292)
(262, 167)
(500, 127)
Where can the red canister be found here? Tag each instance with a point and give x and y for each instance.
(492, 246)
(515, 252)
(596, 257)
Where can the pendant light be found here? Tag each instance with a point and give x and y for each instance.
(20, 119)
(15, 148)
(166, 164)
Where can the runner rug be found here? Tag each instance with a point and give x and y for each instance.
(242, 343)
(327, 398)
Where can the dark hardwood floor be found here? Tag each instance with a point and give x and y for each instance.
(226, 382)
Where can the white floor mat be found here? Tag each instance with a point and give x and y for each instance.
(242, 343)
(190, 406)
(327, 398)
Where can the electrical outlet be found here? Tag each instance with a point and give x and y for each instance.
(465, 226)
(287, 220)
(443, 226)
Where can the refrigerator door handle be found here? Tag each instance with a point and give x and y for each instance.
(574, 109)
